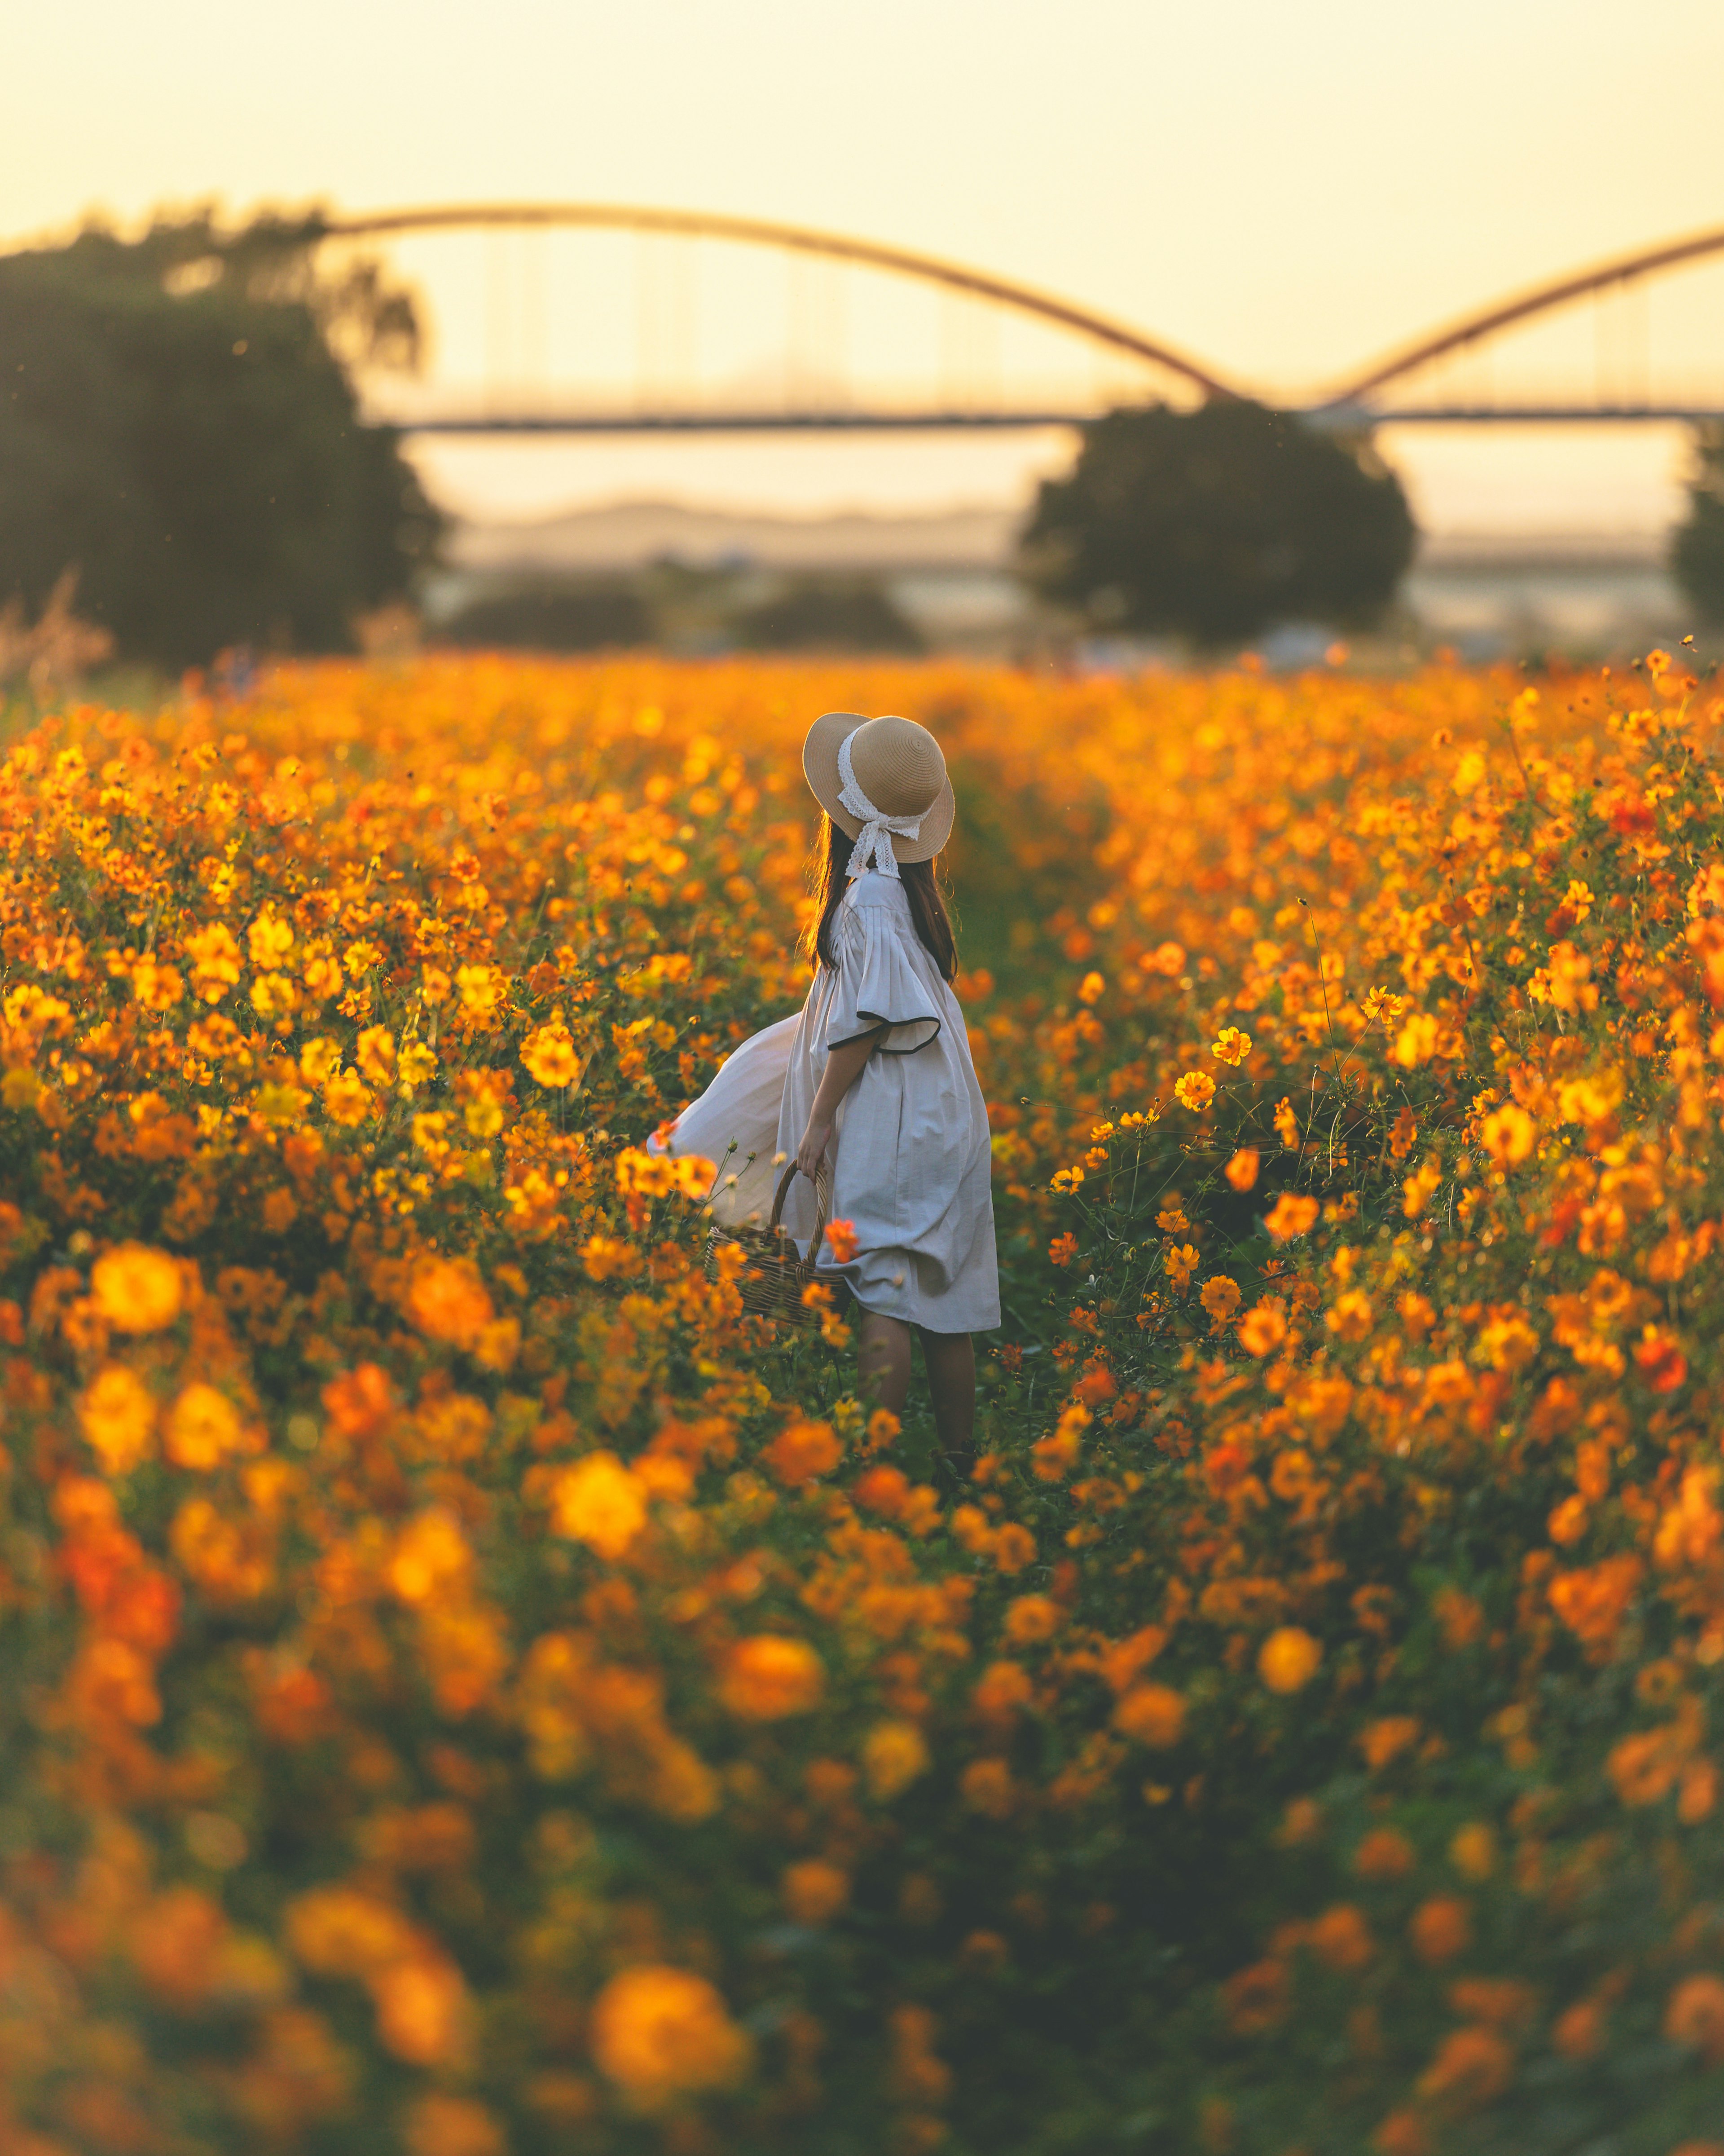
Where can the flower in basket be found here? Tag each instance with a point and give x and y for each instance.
(841, 1240)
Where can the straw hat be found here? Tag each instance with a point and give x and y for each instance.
(897, 766)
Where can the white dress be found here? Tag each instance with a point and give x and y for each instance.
(911, 1157)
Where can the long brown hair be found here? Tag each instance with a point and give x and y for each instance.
(830, 876)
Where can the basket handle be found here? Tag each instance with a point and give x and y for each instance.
(823, 1199)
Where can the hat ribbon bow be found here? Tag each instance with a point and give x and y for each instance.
(873, 843)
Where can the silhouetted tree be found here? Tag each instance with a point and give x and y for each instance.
(1213, 524)
(1697, 555)
(178, 425)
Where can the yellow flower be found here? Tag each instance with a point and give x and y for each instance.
(599, 1503)
(661, 2034)
(1230, 1045)
(157, 987)
(549, 1054)
(215, 961)
(416, 1066)
(269, 940)
(319, 1060)
(346, 1099)
(1509, 1135)
(137, 1289)
(118, 1413)
(480, 989)
(894, 1755)
(1195, 1091)
(1288, 1659)
(431, 1557)
(375, 1055)
(202, 1429)
(1181, 1262)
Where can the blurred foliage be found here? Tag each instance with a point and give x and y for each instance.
(685, 606)
(595, 615)
(180, 431)
(1217, 524)
(1697, 552)
(827, 614)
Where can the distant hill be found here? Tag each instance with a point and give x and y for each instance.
(626, 534)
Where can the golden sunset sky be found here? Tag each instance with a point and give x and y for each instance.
(1282, 190)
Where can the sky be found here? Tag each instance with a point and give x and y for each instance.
(1282, 190)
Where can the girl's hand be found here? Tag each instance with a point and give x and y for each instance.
(812, 1151)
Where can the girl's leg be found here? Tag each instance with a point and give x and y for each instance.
(883, 1361)
(951, 1363)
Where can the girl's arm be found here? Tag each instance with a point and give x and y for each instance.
(844, 1067)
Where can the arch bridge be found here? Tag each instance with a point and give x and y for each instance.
(592, 318)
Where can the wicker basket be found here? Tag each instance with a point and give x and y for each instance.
(773, 1275)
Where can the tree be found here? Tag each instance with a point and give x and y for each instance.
(1697, 556)
(1213, 524)
(179, 427)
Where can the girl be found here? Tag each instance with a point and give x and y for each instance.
(878, 1081)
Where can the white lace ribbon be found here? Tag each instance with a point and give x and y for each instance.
(873, 843)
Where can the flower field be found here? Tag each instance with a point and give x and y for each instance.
(469, 1688)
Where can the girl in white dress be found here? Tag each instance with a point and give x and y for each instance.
(875, 1077)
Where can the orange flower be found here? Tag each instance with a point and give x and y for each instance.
(599, 1501)
(1031, 1618)
(1195, 1091)
(1063, 1250)
(1441, 1929)
(1230, 1046)
(1241, 1171)
(894, 1755)
(1152, 1715)
(1509, 1134)
(550, 1054)
(448, 1300)
(814, 1892)
(1291, 1216)
(1471, 2067)
(137, 1289)
(1340, 1939)
(661, 2034)
(841, 1241)
(1384, 1854)
(118, 1413)
(442, 2125)
(987, 1788)
(1695, 2016)
(202, 1429)
(1220, 1297)
(1288, 1659)
(770, 1676)
(1263, 1327)
(1257, 1998)
(802, 1450)
(1387, 1738)
(1472, 1850)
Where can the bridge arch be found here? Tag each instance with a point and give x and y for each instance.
(1522, 306)
(792, 238)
